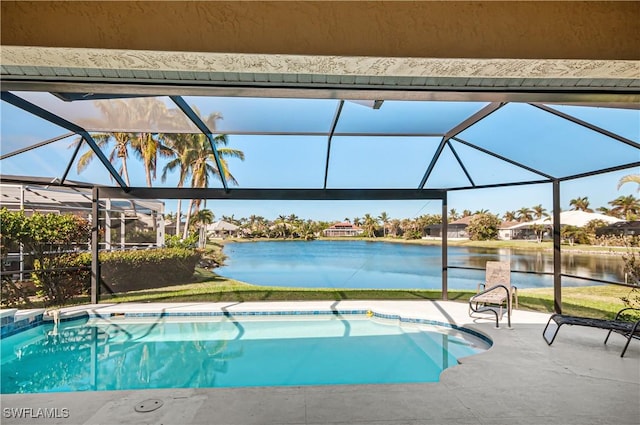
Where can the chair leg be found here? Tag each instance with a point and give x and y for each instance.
(608, 335)
(548, 340)
(629, 337)
(624, 350)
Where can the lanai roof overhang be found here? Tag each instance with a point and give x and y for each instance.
(420, 100)
(345, 82)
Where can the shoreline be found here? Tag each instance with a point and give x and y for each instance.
(497, 244)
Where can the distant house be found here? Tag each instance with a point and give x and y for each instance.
(221, 229)
(567, 218)
(455, 230)
(458, 230)
(506, 230)
(621, 228)
(342, 229)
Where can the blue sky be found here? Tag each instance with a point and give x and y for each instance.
(519, 131)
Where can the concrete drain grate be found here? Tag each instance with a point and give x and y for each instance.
(148, 405)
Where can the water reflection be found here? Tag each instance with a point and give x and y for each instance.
(85, 357)
(361, 264)
(596, 266)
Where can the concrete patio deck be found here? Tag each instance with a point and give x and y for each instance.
(520, 380)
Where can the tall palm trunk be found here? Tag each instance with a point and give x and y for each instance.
(125, 172)
(179, 213)
(186, 223)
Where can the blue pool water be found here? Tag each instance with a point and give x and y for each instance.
(363, 264)
(223, 352)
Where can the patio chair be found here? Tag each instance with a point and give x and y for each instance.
(628, 329)
(494, 292)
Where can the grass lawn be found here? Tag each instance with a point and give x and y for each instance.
(592, 301)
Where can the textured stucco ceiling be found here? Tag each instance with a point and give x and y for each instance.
(559, 51)
(429, 29)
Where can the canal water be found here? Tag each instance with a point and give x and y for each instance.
(380, 265)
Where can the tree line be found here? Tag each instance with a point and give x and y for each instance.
(483, 224)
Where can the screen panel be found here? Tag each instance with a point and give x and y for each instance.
(252, 115)
(546, 142)
(405, 117)
(140, 114)
(379, 162)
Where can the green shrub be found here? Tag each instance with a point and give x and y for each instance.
(134, 270)
(13, 294)
(49, 239)
(174, 241)
(59, 278)
(141, 236)
(212, 257)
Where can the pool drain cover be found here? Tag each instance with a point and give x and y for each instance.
(148, 405)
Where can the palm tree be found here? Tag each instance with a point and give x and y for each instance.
(384, 218)
(510, 216)
(453, 214)
(119, 153)
(147, 147)
(200, 220)
(294, 222)
(631, 178)
(572, 234)
(407, 226)
(193, 156)
(202, 165)
(370, 225)
(231, 219)
(482, 211)
(604, 210)
(181, 151)
(525, 214)
(466, 213)
(281, 222)
(539, 211)
(580, 204)
(626, 207)
(357, 221)
(306, 231)
(132, 113)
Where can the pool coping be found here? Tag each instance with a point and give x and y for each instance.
(29, 319)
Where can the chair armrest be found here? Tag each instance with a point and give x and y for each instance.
(491, 289)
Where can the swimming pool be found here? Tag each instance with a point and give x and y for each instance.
(118, 353)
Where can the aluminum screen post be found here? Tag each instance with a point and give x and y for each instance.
(445, 260)
(557, 258)
(21, 244)
(107, 224)
(95, 235)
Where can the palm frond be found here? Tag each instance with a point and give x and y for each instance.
(231, 153)
(631, 178)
